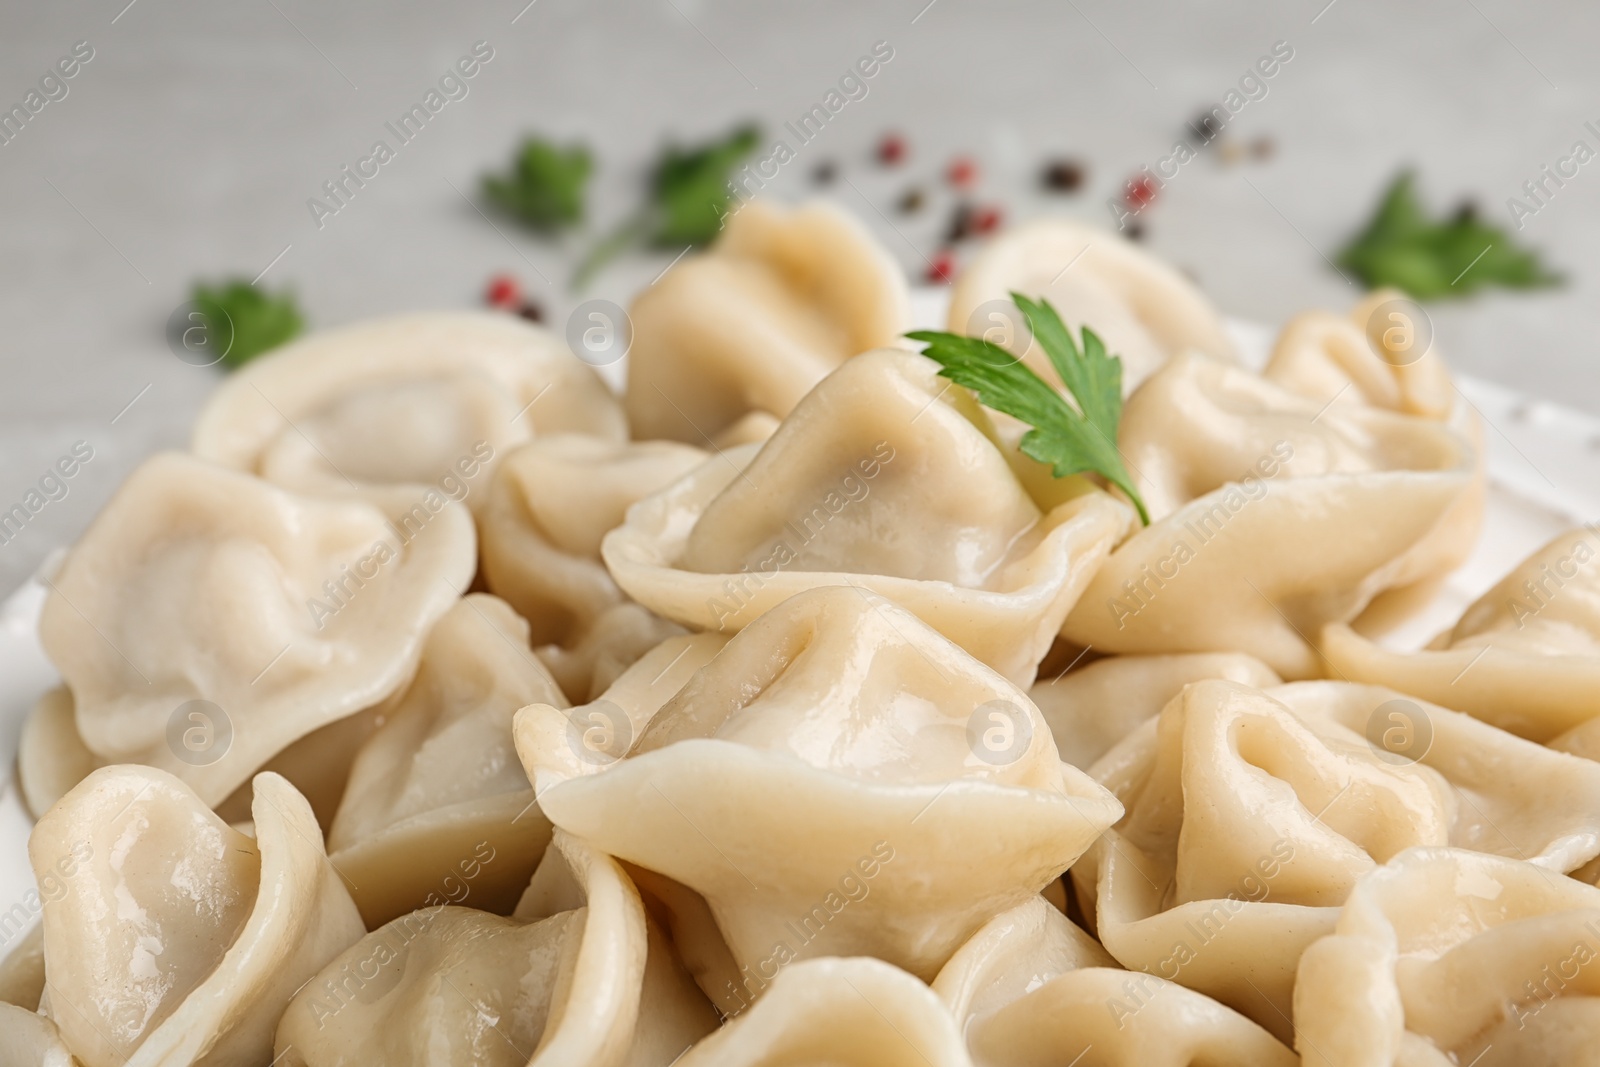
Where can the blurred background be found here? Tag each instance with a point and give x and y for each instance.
(187, 145)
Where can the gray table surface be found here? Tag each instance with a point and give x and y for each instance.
(191, 142)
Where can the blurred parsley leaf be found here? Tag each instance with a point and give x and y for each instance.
(1430, 258)
(1071, 440)
(244, 321)
(688, 199)
(544, 188)
(691, 188)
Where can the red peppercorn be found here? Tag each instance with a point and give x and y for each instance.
(503, 292)
(986, 220)
(1140, 191)
(963, 172)
(942, 268)
(891, 149)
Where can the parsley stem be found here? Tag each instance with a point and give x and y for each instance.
(608, 247)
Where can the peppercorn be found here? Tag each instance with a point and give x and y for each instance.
(1063, 176)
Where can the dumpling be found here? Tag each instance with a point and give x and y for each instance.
(1143, 310)
(51, 757)
(439, 784)
(788, 780)
(1032, 990)
(1525, 656)
(577, 975)
(1251, 815)
(1091, 708)
(1367, 357)
(782, 298)
(177, 940)
(31, 1040)
(1444, 956)
(618, 636)
(22, 970)
(885, 477)
(1378, 356)
(552, 501)
(425, 400)
(1243, 480)
(839, 1012)
(207, 619)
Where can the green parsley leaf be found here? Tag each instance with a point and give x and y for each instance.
(688, 200)
(544, 188)
(1431, 258)
(691, 188)
(1072, 440)
(243, 321)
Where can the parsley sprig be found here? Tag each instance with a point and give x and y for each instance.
(1431, 258)
(544, 187)
(688, 197)
(242, 321)
(1072, 440)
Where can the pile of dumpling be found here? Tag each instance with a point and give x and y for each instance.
(440, 707)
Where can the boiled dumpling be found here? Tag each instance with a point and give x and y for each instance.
(1251, 815)
(22, 970)
(782, 298)
(838, 1012)
(552, 501)
(1091, 708)
(31, 1040)
(207, 619)
(788, 781)
(1271, 517)
(1366, 357)
(616, 639)
(1032, 990)
(51, 757)
(426, 400)
(178, 940)
(578, 975)
(1445, 957)
(440, 781)
(1143, 310)
(885, 477)
(1525, 656)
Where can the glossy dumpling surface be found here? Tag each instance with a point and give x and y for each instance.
(886, 477)
(574, 977)
(208, 619)
(1444, 956)
(1524, 656)
(430, 400)
(552, 501)
(839, 1012)
(1241, 476)
(1143, 310)
(1091, 708)
(782, 298)
(176, 939)
(440, 779)
(788, 780)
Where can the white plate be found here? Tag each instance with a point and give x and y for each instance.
(1544, 472)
